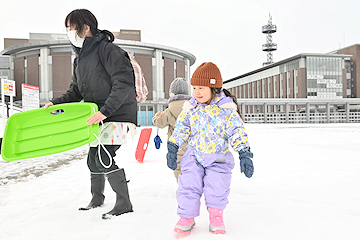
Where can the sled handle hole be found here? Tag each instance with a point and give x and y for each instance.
(57, 112)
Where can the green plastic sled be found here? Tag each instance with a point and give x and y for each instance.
(41, 132)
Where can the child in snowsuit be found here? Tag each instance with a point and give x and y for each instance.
(209, 122)
(179, 94)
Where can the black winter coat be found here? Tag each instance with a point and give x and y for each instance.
(111, 87)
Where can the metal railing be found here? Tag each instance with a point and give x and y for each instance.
(335, 117)
(304, 110)
(349, 113)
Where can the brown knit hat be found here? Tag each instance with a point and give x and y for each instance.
(208, 75)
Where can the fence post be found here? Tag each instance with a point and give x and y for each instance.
(328, 112)
(308, 112)
(347, 109)
(265, 112)
(243, 110)
(139, 114)
(287, 112)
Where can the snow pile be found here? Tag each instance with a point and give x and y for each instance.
(304, 187)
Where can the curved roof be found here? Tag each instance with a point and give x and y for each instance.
(55, 43)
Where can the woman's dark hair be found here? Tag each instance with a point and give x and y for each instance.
(227, 93)
(79, 17)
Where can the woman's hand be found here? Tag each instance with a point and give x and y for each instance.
(158, 113)
(48, 105)
(96, 118)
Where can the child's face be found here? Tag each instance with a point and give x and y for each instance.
(202, 94)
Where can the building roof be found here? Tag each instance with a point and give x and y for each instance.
(301, 55)
(55, 43)
(337, 50)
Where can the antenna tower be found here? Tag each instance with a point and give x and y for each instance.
(269, 47)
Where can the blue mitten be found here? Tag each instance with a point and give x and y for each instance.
(157, 141)
(246, 164)
(171, 156)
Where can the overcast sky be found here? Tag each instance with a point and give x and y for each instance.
(225, 32)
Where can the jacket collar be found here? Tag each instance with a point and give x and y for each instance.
(220, 100)
(179, 97)
(89, 44)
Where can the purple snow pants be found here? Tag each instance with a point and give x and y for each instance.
(213, 179)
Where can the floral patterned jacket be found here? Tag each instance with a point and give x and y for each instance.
(210, 128)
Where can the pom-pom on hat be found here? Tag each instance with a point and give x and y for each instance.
(179, 86)
(208, 75)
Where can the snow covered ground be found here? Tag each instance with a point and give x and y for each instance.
(305, 186)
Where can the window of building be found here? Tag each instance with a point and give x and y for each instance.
(4, 72)
(348, 83)
(175, 69)
(348, 66)
(275, 92)
(324, 76)
(295, 84)
(263, 88)
(50, 70)
(281, 85)
(252, 90)
(25, 70)
(288, 85)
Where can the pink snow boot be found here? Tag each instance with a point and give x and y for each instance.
(184, 225)
(217, 225)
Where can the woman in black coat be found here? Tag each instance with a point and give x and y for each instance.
(109, 84)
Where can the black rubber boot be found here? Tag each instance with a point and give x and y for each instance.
(118, 183)
(97, 190)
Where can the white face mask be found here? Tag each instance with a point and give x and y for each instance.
(75, 39)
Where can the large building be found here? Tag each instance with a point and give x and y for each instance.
(4, 67)
(321, 76)
(45, 60)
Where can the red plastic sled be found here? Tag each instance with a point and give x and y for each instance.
(142, 144)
